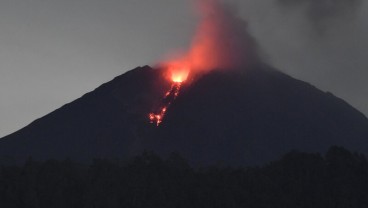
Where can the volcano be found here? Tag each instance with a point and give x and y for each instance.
(242, 117)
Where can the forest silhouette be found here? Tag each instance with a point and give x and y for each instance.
(337, 179)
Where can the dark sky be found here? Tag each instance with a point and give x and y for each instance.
(52, 51)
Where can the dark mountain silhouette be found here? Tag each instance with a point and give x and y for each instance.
(226, 117)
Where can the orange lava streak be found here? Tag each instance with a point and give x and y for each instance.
(170, 96)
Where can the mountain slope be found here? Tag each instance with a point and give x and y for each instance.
(224, 117)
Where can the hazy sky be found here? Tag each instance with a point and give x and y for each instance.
(54, 51)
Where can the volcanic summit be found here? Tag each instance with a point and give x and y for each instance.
(228, 117)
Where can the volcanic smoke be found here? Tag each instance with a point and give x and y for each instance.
(221, 42)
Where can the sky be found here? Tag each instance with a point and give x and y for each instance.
(52, 52)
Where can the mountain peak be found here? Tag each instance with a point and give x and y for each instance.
(233, 117)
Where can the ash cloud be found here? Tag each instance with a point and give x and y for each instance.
(316, 41)
(322, 13)
(222, 39)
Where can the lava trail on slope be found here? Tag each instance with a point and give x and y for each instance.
(158, 116)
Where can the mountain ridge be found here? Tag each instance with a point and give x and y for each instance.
(237, 118)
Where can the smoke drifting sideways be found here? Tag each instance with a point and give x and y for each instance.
(321, 13)
(221, 41)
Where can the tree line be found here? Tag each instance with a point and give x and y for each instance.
(297, 180)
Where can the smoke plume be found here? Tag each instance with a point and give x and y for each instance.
(323, 42)
(322, 13)
(221, 40)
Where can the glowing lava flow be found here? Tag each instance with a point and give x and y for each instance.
(170, 96)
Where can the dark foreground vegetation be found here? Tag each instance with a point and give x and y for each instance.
(339, 179)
